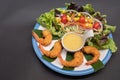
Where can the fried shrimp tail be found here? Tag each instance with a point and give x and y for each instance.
(94, 51)
(78, 60)
(47, 37)
(54, 52)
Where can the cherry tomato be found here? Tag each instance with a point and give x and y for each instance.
(82, 19)
(64, 18)
(96, 25)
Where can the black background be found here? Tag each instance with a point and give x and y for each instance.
(17, 57)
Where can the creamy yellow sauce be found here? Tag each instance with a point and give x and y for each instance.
(72, 41)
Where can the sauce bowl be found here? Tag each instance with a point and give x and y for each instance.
(73, 41)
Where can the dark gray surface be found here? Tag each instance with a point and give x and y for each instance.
(17, 57)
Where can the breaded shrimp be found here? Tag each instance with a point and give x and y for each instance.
(54, 52)
(47, 37)
(78, 60)
(94, 51)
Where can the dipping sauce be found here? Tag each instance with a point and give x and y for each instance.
(72, 41)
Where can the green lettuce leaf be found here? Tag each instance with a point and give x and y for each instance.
(89, 8)
(46, 19)
(109, 27)
(111, 45)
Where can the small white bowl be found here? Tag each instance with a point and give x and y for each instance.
(66, 48)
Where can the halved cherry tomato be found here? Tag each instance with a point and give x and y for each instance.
(82, 19)
(64, 18)
(96, 25)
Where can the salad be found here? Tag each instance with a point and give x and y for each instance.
(80, 19)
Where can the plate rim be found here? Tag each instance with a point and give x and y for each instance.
(66, 72)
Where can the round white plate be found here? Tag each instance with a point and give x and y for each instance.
(56, 66)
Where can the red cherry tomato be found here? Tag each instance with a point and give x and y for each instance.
(96, 25)
(82, 19)
(64, 18)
